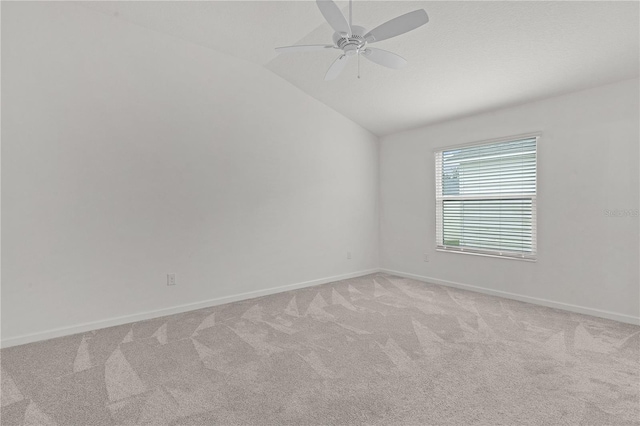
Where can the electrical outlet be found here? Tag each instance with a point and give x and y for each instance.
(426, 257)
(171, 279)
(348, 255)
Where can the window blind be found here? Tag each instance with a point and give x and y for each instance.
(486, 198)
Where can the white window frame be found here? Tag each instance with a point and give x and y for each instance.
(440, 198)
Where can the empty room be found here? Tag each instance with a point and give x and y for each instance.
(320, 213)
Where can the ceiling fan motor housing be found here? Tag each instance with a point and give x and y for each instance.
(351, 45)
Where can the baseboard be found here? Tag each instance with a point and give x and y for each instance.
(534, 300)
(110, 322)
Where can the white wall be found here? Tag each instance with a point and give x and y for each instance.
(127, 155)
(587, 163)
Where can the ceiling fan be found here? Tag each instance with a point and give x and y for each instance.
(354, 40)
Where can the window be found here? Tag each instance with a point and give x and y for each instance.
(486, 198)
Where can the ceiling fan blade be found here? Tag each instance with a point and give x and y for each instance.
(336, 68)
(384, 58)
(334, 16)
(303, 48)
(396, 26)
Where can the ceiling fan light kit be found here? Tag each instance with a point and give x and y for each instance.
(353, 40)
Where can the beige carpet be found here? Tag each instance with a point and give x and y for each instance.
(373, 350)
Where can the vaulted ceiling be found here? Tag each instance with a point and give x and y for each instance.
(473, 56)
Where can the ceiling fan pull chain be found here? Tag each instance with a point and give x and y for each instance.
(358, 64)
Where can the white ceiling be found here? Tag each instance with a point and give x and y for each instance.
(471, 57)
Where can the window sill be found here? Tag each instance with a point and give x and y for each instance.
(476, 253)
